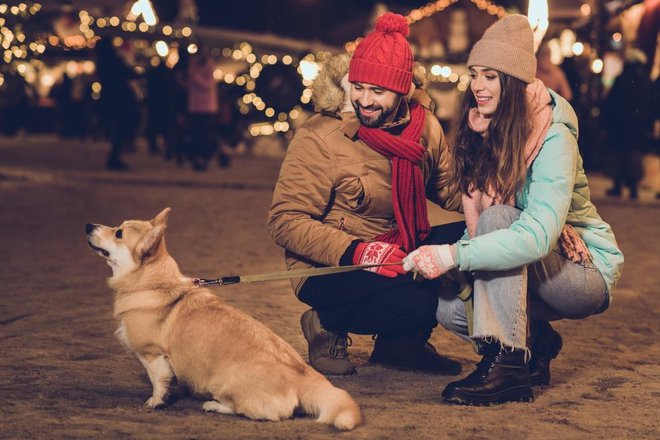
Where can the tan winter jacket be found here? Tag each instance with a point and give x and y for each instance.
(333, 188)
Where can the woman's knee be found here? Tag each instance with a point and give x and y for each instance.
(579, 306)
(568, 289)
(497, 217)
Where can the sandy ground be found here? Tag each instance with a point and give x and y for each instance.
(64, 375)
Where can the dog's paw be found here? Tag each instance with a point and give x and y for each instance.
(215, 406)
(154, 403)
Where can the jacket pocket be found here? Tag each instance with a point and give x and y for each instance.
(356, 194)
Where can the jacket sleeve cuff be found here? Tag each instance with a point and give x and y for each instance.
(347, 258)
(462, 254)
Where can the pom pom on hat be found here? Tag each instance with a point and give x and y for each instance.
(389, 23)
(384, 58)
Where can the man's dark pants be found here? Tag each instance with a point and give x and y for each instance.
(364, 302)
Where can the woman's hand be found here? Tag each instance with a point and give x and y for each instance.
(430, 261)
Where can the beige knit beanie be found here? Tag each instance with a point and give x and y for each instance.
(508, 47)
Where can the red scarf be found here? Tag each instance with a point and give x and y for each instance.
(408, 194)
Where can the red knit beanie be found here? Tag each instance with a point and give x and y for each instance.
(383, 58)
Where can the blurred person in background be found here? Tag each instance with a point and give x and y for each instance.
(160, 111)
(14, 103)
(655, 137)
(61, 94)
(70, 95)
(177, 145)
(228, 123)
(536, 247)
(551, 75)
(202, 108)
(79, 97)
(628, 120)
(118, 102)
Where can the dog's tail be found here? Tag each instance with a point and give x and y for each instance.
(329, 404)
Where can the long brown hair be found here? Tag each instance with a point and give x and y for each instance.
(496, 160)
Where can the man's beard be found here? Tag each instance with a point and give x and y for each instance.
(373, 122)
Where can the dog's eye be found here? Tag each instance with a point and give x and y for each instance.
(118, 234)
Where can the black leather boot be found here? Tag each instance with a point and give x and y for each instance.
(546, 345)
(501, 376)
(412, 353)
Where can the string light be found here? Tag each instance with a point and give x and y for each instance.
(578, 48)
(433, 8)
(161, 48)
(307, 68)
(15, 43)
(145, 9)
(129, 25)
(597, 66)
(429, 9)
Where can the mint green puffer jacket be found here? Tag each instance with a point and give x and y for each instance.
(556, 192)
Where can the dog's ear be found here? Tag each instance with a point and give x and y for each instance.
(152, 239)
(161, 218)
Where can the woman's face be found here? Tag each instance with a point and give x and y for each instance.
(486, 87)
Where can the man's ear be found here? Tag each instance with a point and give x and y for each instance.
(408, 96)
(161, 218)
(347, 105)
(151, 240)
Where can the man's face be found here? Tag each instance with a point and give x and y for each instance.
(373, 105)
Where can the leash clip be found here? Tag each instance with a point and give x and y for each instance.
(222, 281)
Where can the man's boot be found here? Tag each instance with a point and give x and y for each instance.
(501, 376)
(546, 345)
(327, 351)
(412, 353)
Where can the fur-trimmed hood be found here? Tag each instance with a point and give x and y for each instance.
(331, 89)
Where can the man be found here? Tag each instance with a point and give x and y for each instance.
(352, 191)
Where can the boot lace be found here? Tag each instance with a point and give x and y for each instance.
(339, 346)
(485, 364)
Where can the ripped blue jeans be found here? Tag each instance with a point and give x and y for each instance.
(551, 289)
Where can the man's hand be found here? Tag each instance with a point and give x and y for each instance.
(430, 261)
(379, 252)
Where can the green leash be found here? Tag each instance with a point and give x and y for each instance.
(284, 275)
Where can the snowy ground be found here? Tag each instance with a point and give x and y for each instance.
(64, 375)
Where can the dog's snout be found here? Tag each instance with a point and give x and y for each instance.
(89, 228)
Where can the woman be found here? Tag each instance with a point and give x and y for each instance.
(535, 244)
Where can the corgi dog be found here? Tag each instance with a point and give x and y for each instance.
(186, 333)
